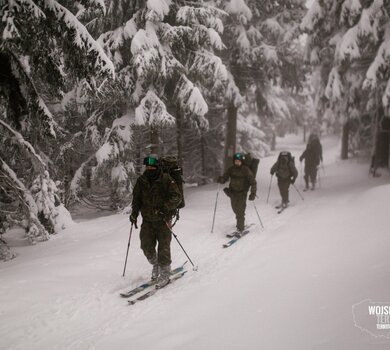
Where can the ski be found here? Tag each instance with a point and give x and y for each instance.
(234, 234)
(148, 284)
(281, 209)
(155, 290)
(235, 239)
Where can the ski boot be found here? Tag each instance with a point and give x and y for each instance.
(155, 269)
(163, 278)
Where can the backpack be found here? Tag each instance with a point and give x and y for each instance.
(251, 163)
(170, 165)
(285, 165)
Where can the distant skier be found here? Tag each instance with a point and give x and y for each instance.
(241, 179)
(286, 172)
(312, 156)
(156, 195)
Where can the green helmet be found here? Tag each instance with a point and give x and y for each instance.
(238, 156)
(151, 161)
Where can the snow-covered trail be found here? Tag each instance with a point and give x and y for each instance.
(290, 286)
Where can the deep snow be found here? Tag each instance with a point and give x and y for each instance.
(289, 286)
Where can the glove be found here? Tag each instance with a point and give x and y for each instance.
(271, 172)
(161, 212)
(252, 197)
(133, 219)
(220, 179)
(292, 180)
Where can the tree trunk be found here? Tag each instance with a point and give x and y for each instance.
(231, 130)
(203, 158)
(179, 136)
(273, 141)
(382, 150)
(154, 140)
(382, 142)
(344, 140)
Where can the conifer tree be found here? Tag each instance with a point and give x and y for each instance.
(348, 42)
(42, 45)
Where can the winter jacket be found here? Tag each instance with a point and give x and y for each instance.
(285, 169)
(241, 178)
(312, 154)
(155, 199)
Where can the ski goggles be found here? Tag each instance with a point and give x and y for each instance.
(150, 161)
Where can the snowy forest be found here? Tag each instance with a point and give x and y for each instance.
(89, 88)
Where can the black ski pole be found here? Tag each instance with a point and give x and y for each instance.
(319, 179)
(215, 209)
(195, 268)
(258, 215)
(300, 195)
(128, 246)
(269, 189)
(323, 168)
(301, 177)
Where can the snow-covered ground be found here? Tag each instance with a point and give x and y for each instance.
(289, 286)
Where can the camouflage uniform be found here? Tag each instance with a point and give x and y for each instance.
(241, 179)
(286, 172)
(156, 199)
(312, 156)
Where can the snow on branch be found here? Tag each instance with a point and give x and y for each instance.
(313, 16)
(268, 52)
(368, 24)
(152, 111)
(10, 31)
(157, 9)
(95, 3)
(349, 46)
(172, 35)
(21, 69)
(34, 229)
(350, 11)
(215, 39)
(233, 92)
(27, 6)
(278, 106)
(144, 39)
(209, 66)
(26, 146)
(18, 185)
(239, 8)
(273, 26)
(380, 63)
(82, 39)
(114, 39)
(190, 97)
(334, 87)
(207, 16)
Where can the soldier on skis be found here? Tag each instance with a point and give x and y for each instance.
(241, 179)
(286, 172)
(156, 196)
(312, 156)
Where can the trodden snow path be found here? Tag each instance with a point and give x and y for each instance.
(289, 286)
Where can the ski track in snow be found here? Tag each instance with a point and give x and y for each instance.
(269, 290)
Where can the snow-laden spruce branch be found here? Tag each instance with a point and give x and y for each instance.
(22, 70)
(82, 38)
(36, 159)
(34, 229)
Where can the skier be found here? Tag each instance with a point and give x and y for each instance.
(156, 196)
(312, 156)
(286, 172)
(241, 179)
